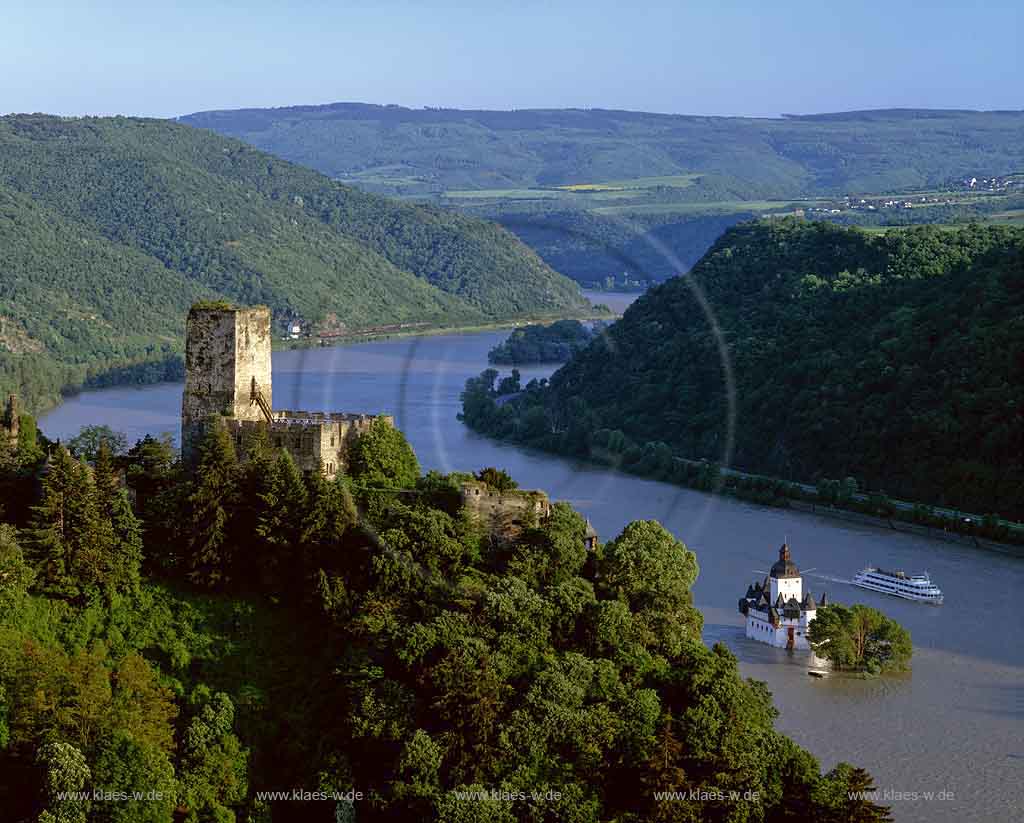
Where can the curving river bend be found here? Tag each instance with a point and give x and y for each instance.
(954, 726)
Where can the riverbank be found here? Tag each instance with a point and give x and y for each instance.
(171, 368)
(492, 414)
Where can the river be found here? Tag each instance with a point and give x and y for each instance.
(954, 726)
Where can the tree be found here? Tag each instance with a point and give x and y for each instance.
(71, 542)
(214, 766)
(15, 574)
(652, 572)
(87, 443)
(124, 539)
(497, 479)
(859, 638)
(281, 519)
(845, 796)
(66, 773)
(143, 772)
(210, 502)
(662, 772)
(381, 457)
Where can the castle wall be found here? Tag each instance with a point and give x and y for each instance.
(505, 514)
(314, 440)
(788, 586)
(760, 628)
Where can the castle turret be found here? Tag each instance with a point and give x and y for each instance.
(227, 355)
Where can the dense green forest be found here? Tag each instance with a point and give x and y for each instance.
(554, 343)
(110, 228)
(598, 193)
(203, 638)
(896, 360)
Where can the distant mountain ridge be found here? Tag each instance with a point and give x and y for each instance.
(792, 155)
(600, 194)
(110, 227)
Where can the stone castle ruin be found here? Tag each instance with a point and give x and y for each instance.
(504, 514)
(228, 381)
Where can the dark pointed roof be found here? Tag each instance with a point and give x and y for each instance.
(809, 601)
(780, 601)
(824, 599)
(784, 566)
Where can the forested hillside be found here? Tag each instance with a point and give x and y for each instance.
(896, 359)
(411, 150)
(245, 630)
(601, 193)
(109, 228)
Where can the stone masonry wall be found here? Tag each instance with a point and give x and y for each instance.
(224, 349)
(505, 514)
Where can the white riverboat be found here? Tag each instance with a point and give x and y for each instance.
(899, 584)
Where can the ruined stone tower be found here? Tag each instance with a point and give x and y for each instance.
(226, 348)
(228, 382)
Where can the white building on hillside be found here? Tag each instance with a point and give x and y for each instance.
(777, 610)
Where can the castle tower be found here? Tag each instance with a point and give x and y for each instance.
(226, 349)
(785, 577)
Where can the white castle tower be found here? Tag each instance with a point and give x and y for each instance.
(777, 610)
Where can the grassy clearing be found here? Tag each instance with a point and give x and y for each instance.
(677, 181)
(713, 207)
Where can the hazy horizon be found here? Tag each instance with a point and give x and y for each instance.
(733, 59)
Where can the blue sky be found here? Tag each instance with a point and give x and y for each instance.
(729, 57)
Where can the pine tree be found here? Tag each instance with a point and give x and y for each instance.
(256, 479)
(281, 519)
(92, 533)
(663, 773)
(210, 503)
(859, 807)
(49, 547)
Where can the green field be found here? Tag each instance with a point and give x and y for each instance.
(680, 181)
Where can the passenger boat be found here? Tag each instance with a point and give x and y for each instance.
(899, 584)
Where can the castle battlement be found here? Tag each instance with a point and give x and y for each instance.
(228, 379)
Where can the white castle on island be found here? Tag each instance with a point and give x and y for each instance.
(777, 610)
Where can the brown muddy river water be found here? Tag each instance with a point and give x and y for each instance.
(953, 727)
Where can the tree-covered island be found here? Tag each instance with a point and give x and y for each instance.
(554, 343)
(859, 638)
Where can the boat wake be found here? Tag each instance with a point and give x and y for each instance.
(831, 578)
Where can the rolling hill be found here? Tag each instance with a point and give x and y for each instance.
(600, 193)
(411, 151)
(110, 227)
